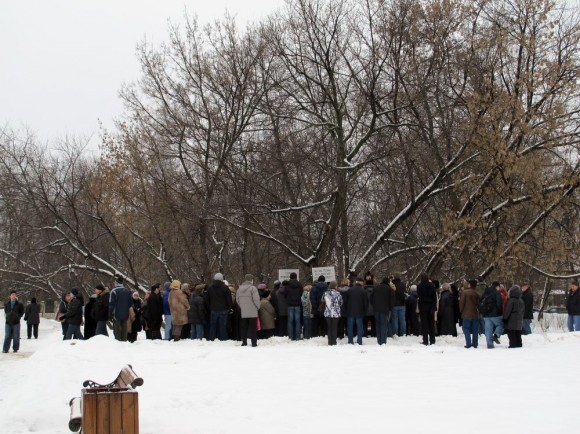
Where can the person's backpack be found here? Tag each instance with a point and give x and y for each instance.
(486, 305)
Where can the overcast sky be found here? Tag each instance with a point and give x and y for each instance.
(63, 62)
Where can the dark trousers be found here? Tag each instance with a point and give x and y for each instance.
(515, 337)
(282, 325)
(341, 327)
(319, 325)
(30, 329)
(265, 334)
(427, 326)
(332, 330)
(249, 330)
(217, 325)
(381, 320)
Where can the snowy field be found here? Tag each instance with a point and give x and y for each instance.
(306, 386)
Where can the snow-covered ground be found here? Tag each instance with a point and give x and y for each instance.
(306, 386)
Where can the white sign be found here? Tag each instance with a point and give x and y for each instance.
(328, 272)
(285, 274)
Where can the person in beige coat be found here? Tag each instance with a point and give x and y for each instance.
(248, 300)
(179, 305)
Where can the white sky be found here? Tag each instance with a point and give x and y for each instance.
(63, 62)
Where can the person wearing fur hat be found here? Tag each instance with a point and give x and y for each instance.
(179, 305)
(155, 312)
(513, 316)
(267, 317)
(248, 300)
(100, 311)
(32, 318)
(219, 301)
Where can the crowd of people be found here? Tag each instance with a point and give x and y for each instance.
(354, 308)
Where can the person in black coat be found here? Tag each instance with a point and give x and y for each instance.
(197, 313)
(411, 315)
(427, 294)
(357, 303)
(528, 299)
(137, 324)
(218, 300)
(90, 322)
(293, 295)
(74, 316)
(155, 312)
(318, 320)
(32, 318)
(100, 310)
(382, 300)
(513, 317)
(445, 313)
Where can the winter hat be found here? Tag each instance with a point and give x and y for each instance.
(119, 278)
(75, 291)
(218, 276)
(321, 278)
(33, 300)
(185, 287)
(248, 277)
(277, 283)
(100, 287)
(176, 284)
(262, 286)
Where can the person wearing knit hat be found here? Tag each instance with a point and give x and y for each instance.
(218, 276)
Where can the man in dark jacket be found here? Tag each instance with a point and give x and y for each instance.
(32, 318)
(101, 310)
(356, 308)
(398, 323)
(427, 303)
(469, 307)
(155, 312)
(528, 299)
(120, 301)
(318, 320)
(491, 311)
(219, 302)
(382, 299)
(573, 306)
(13, 311)
(74, 316)
(293, 295)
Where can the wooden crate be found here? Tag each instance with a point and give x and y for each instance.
(110, 411)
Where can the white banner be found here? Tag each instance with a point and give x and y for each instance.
(328, 272)
(285, 274)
